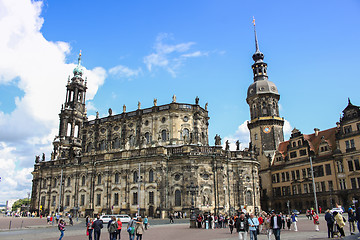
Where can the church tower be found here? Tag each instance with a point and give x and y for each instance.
(266, 125)
(72, 115)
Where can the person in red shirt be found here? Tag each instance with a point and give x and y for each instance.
(316, 222)
(261, 221)
(119, 228)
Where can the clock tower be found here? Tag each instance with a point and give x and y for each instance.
(266, 125)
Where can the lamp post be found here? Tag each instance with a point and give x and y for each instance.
(192, 189)
(313, 181)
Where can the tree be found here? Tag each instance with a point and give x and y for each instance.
(20, 202)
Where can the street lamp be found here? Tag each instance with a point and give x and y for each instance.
(311, 154)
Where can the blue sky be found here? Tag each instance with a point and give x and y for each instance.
(139, 50)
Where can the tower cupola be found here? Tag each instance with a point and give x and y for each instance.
(78, 70)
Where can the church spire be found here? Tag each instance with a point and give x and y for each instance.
(256, 41)
(258, 56)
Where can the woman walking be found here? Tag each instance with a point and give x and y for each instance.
(231, 224)
(351, 219)
(61, 227)
(339, 223)
(119, 228)
(89, 228)
(139, 229)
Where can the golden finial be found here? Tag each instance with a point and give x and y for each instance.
(253, 21)
(80, 50)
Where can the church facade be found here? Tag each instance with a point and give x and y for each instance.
(155, 160)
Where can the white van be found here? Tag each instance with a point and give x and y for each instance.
(123, 218)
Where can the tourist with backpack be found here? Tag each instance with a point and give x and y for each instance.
(112, 228)
(131, 228)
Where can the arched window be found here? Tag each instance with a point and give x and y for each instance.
(76, 131)
(177, 198)
(116, 177)
(248, 198)
(299, 143)
(116, 143)
(151, 175)
(68, 181)
(83, 179)
(55, 182)
(294, 144)
(102, 145)
(147, 137)
(99, 179)
(68, 132)
(135, 176)
(163, 135)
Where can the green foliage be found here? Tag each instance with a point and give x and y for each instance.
(20, 202)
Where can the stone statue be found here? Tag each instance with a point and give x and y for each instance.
(37, 159)
(62, 106)
(43, 157)
(110, 111)
(174, 98)
(155, 102)
(97, 115)
(237, 145)
(217, 140)
(197, 100)
(206, 105)
(139, 104)
(124, 108)
(227, 146)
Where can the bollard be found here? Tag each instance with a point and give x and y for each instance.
(21, 224)
(10, 225)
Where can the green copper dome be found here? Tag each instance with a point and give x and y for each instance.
(78, 70)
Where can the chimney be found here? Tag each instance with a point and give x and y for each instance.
(316, 131)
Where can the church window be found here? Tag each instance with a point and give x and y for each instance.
(256, 136)
(163, 135)
(76, 131)
(68, 133)
(82, 200)
(177, 177)
(67, 200)
(186, 133)
(248, 198)
(151, 197)
(83, 179)
(116, 178)
(135, 198)
(99, 179)
(177, 198)
(135, 176)
(151, 175)
(116, 199)
(55, 182)
(98, 199)
(68, 181)
(163, 119)
(89, 147)
(147, 137)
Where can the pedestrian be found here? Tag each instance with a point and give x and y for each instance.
(171, 218)
(261, 223)
(231, 225)
(275, 224)
(119, 228)
(288, 222)
(330, 223)
(131, 228)
(351, 219)
(212, 221)
(267, 225)
(97, 225)
(316, 221)
(282, 220)
(339, 223)
(294, 221)
(139, 229)
(146, 222)
(253, 226)
(70, 219)
(89, 228)
(242, 226)
(113, 228)
(48, 219)
(61, 228)
(57, 218)
(199, 220)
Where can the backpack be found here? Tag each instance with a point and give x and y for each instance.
(112, 227)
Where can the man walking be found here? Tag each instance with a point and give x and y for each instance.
(253, 225)
(242, 226)
(275, 224)
(358, 218)
(97, 226)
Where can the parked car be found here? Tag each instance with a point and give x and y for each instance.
(295, 211)
(124, 218)
(339, 210)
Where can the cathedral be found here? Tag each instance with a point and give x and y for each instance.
(154, 160)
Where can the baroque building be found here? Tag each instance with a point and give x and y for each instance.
(156, 160)
(335, 155)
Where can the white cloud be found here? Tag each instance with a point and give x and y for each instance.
(170, 57)
(124, 72)
(38, 68)
(243, 135)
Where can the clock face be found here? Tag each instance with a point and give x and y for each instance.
(266, 129)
